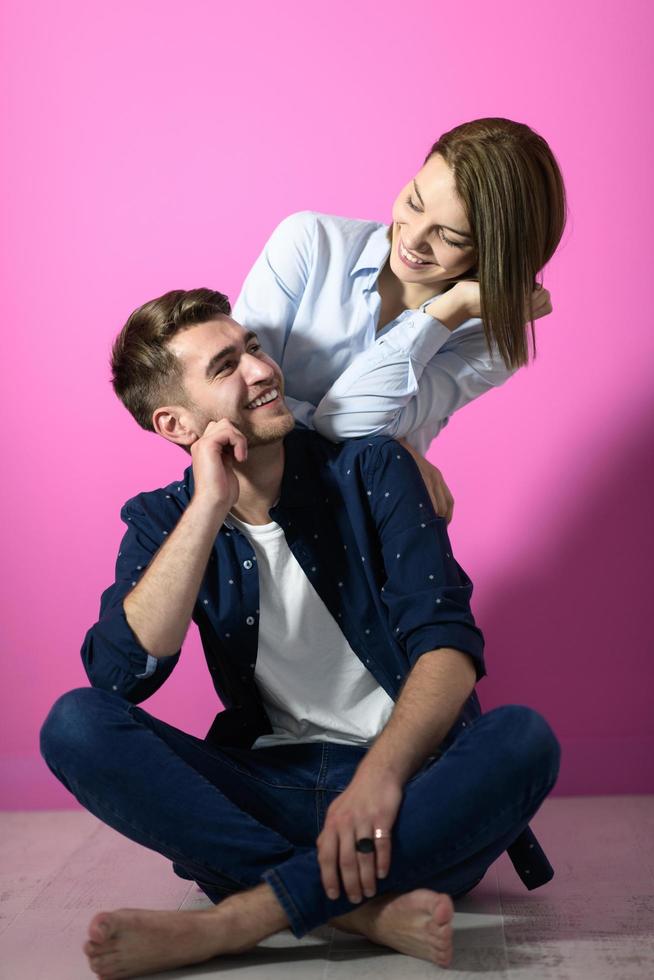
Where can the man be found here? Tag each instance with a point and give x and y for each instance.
(351, 778)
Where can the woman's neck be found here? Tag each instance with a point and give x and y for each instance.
(397, 295)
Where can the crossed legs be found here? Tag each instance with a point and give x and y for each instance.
(456, 818)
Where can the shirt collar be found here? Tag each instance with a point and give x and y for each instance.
(374, 252)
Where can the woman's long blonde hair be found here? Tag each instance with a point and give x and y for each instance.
(513, 193)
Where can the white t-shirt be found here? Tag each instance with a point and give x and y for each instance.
(313, 686)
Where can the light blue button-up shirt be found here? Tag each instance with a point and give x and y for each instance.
(312, 298)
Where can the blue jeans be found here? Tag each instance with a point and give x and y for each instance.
(231, 818)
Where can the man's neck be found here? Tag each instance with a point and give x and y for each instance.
(260, 482)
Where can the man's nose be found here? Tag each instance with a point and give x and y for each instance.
(254, 369)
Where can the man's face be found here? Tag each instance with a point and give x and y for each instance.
(225, 374)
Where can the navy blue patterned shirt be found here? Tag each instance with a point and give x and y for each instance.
(359, 520)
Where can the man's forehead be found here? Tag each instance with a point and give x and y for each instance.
(201, 341)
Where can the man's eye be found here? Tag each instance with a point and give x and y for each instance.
(255, 348)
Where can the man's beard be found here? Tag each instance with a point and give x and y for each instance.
(266, 431)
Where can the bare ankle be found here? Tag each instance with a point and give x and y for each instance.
(360, 920)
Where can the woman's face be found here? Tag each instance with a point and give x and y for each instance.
(431, 237)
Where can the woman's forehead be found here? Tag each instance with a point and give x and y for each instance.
(436, 187)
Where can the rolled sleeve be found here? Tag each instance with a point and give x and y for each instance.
(112, 655)
(426, 592)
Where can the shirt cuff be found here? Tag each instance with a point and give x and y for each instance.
(455, 636)
(150, 667)
(419, 336)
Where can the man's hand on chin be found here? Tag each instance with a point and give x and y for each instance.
(371, 802)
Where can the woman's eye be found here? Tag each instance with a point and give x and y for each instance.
(449, 242)
(412, 204)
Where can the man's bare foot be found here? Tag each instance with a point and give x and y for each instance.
(133, 942)
(418, 923)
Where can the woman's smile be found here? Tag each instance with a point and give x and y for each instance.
(411, 258)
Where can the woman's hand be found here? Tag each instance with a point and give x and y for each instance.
(437, 488)
(370, 802)
(463, 302)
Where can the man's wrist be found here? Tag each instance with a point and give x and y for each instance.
(383, 764)
(208, 508)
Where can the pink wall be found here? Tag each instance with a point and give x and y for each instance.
(154, 145)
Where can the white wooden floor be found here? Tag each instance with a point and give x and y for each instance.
(594, 920)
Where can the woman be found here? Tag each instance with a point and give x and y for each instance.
(390, 331)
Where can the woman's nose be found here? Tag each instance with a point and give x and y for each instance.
(415, 238)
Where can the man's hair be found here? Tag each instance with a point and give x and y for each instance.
(145, 372)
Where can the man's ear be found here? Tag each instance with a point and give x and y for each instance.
(175, 424)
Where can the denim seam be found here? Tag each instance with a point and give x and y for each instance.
(324, 765)
(286, 901)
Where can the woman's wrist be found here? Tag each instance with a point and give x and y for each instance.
(448, 309)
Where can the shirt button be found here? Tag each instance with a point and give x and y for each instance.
(247, 563)
(250, 620)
